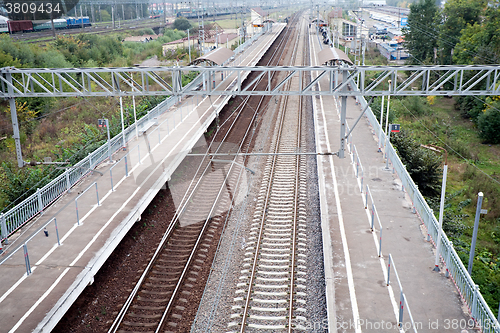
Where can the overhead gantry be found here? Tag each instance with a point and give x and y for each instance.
(155, 81)
(148, 81)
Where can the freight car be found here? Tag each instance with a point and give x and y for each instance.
(46, 25)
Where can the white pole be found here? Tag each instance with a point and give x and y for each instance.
(440, 223)
(135, 114)
(123, 124)
(135, 119)
(189, 48)
(381, 125)
(387, 118)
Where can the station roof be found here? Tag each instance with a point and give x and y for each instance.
(333, 54)
(259, 11)
(215, 57)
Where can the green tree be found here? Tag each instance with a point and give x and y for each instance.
(480, 42)
(181, 24)
(456, 15)
(420, 36)
(105, 16)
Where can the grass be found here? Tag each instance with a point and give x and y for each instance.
(470, 163)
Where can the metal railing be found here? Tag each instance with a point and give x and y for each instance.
(478, 308)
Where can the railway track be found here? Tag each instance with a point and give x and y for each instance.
(157, 302)
(271, 293)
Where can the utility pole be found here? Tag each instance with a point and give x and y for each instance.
(113, 9)
(201, 30)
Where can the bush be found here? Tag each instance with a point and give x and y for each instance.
(470, 107)
(488, 123)
(422, 164)
(181, 24)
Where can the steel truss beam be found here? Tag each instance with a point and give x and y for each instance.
(141, 81)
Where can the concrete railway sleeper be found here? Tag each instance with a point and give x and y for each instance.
(271, 293)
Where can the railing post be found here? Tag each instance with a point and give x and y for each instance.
(97, 194)
(431, 212)
(5, 232)
(401, 306)
(111, 176)
(40, 204)
(362, 178)
(126, 167)
(357, 165)
(380, 244)
(474, 301)
(77, 216)
(389, 270)
(447, 259)
(366, 196)
(90, 161)
(373, 215)
(57, 232)
(68, 184)
(27, 259)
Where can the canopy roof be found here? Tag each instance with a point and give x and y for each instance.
(332, 54)
(215, 57)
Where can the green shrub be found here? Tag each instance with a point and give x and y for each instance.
(422, 164)
(488, 123)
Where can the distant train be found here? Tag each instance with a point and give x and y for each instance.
(10, 26)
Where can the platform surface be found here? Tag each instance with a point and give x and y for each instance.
(358, 297)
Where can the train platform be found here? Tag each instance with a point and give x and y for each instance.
(356, 267)
(45, 270)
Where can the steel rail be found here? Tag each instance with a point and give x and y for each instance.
(264, 209)
(296, 209)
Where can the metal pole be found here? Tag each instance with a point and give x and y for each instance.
(4, 231)
(15, 125)
(77, 216)
(189, 48)
(474, 234)
(40, 204)
(381, 125)
(387, 119)
(27, 259)
(97, 194)
(389, 270)
(111, 176)
(109, 140)
(440, 224)
(387, 141)
(343, 111)
(68, 183)
(401, 306)
(57, 232)
(135, 114)
(123, 124)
